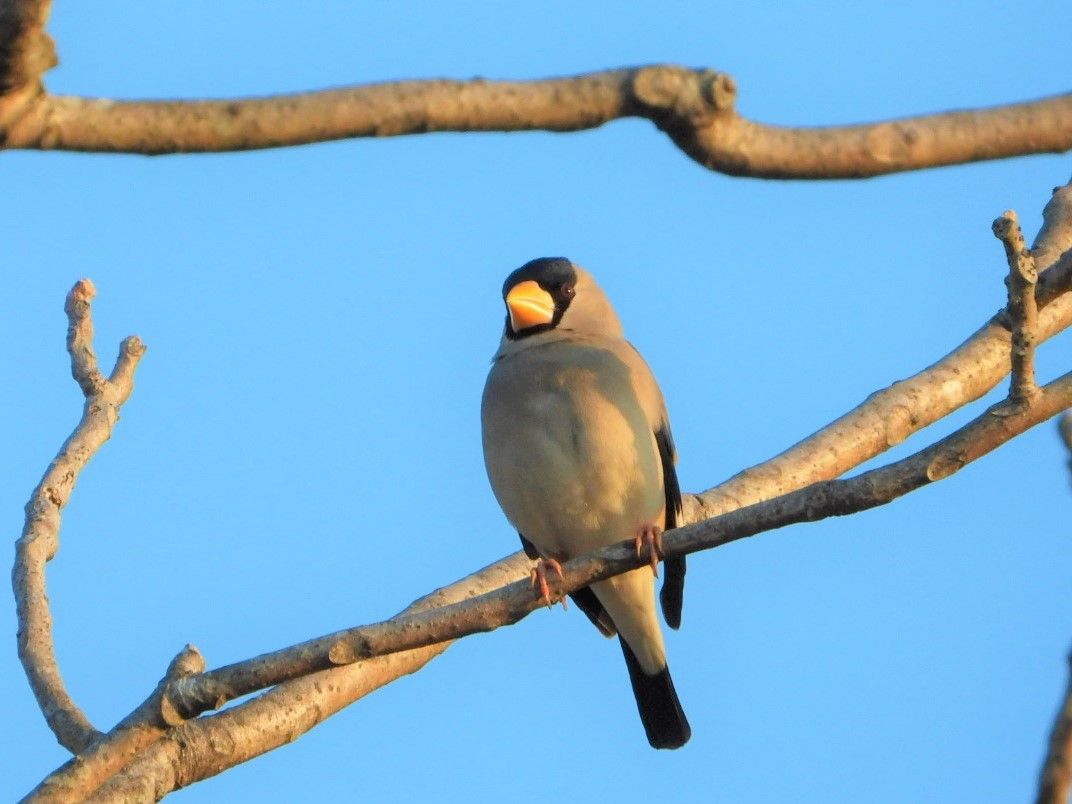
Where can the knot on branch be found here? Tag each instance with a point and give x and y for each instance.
(184, 691)
(174, 708)
(683, 97)
(348, 651)
(892, 143)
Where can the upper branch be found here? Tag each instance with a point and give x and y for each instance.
(694, 107)
(40, 536)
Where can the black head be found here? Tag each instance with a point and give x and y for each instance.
(537, 295)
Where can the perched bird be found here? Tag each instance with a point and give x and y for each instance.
(578, 450)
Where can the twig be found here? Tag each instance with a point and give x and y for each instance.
(40, 536)
(1056, 776)
(1023, 306)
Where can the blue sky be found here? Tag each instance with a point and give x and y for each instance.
(302, 449)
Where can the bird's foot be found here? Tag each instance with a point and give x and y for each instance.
(538, 580)
(650, 537)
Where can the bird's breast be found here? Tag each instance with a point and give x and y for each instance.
(570, 455)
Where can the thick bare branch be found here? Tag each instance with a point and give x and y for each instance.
(889, 416)
(40, 536)
(694, 107)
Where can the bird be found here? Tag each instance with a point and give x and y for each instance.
(578, 450)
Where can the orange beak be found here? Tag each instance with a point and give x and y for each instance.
(529, 305)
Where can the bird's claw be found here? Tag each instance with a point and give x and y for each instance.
(538, 580)
(651, 537)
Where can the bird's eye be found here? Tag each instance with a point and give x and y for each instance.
(569, 291)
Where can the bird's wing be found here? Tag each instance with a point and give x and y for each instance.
(672, 595)
(651, 401)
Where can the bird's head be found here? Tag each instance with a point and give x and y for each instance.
(551, 294)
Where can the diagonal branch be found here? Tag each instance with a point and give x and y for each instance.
(40, 536)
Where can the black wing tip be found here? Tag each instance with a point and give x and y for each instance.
(660, 710)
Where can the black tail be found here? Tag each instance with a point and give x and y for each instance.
(656, 698)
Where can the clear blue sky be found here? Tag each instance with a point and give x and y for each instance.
(302, 450)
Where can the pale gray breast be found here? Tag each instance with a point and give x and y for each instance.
(569, 451)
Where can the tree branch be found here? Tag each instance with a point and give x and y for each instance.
(693, 107)
(40, 536)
